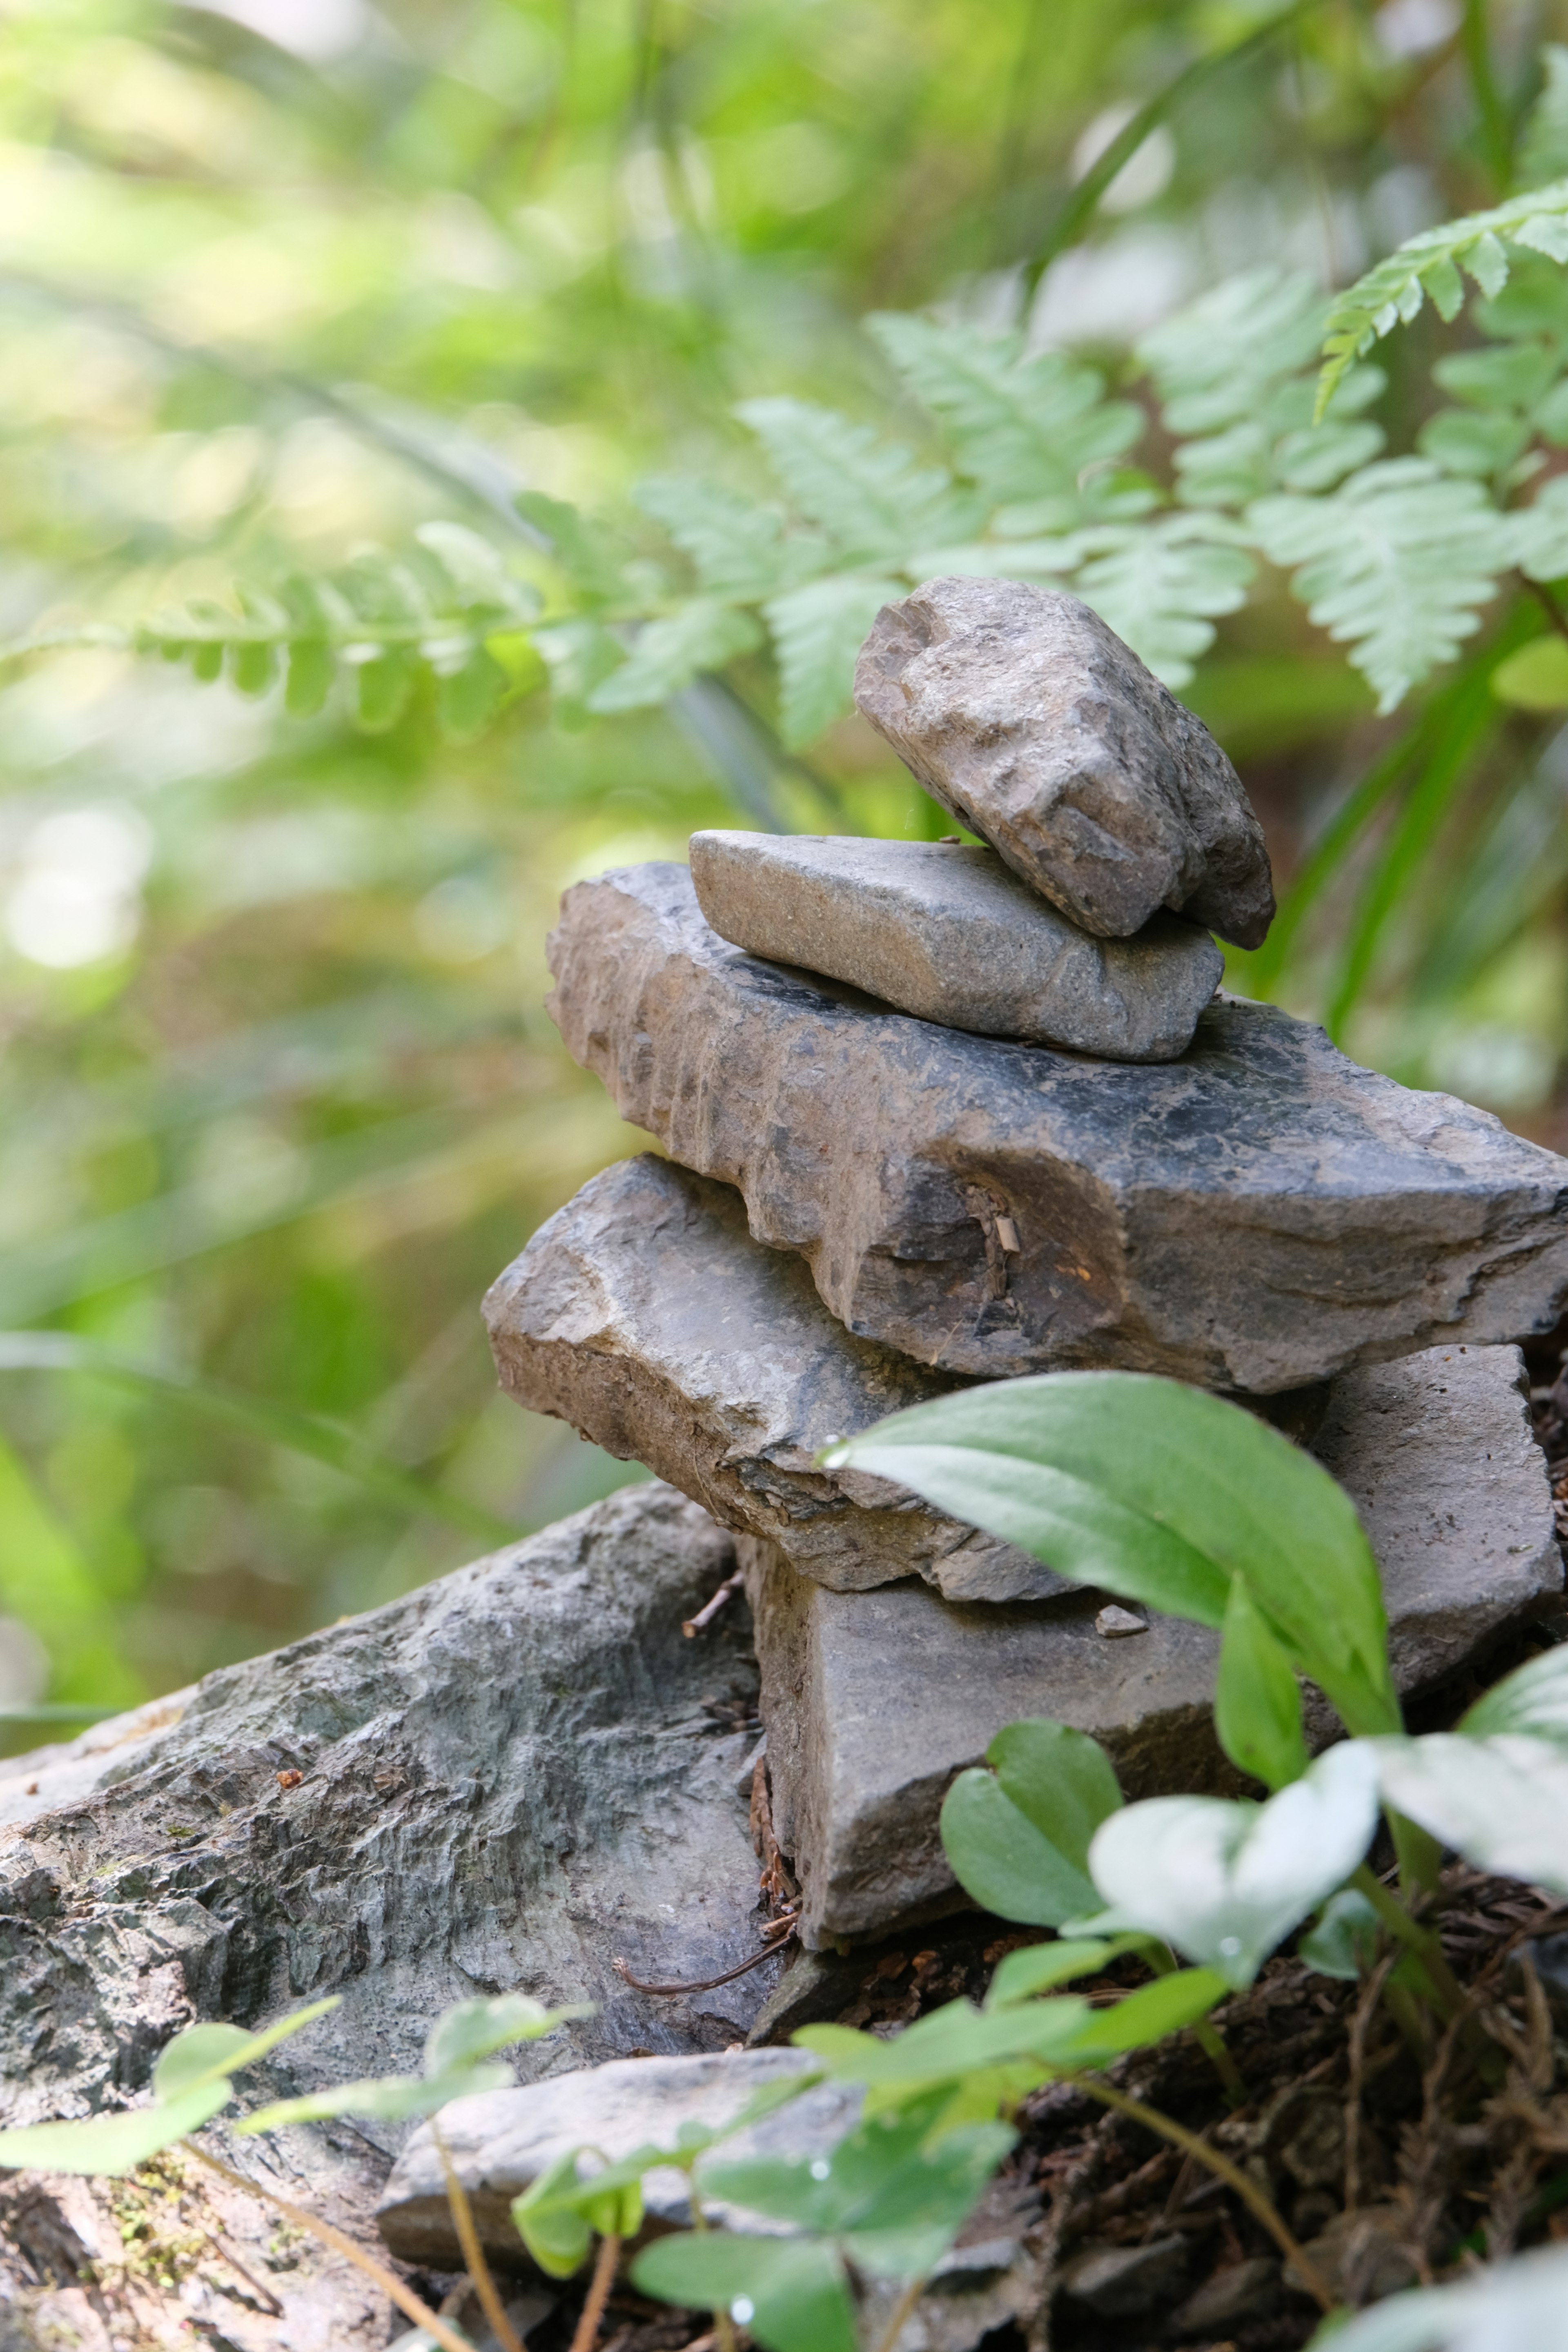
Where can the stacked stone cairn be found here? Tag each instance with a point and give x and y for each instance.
(938, 1114)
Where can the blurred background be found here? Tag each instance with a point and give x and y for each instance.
(282, 277)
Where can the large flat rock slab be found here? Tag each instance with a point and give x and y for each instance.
(1255, 1216)
(644, 1313)
(953, 935)
(874, 1701)
(1020, 711)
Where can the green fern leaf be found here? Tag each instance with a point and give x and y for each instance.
(1024, 430)
(1430, 264)
(1396, 564)
(1544, 148)
(1537, 534)
(740, 550)
(817, 632)
(1215, 364)
(1469, 442)
(669, 653)
(871, 498)
(1159, 586)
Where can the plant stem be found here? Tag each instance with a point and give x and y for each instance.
(473, 2253)
(1419, 1940)
(724, 2325)
(405, 2299)
(599, 2287)
(1212, 2043)
(1252, 2197)
(912, 2295)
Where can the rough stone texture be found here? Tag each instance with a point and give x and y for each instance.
(644, 1315)
(952, 935)
(1255, 1216)
(500, 2141)
(1022, 713)
(510, 1778)
(873, 1701)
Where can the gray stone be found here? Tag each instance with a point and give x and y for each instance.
(953, 935)
(1117, 2281)
(874, 1701)
(500, 2141)
(510, 1778)
(1247, 2290)
(1022, 713)
(644, 1315)
(1255, 1216)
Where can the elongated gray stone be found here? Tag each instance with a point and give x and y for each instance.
(953, 935)
(1255, 1216)
(874, 1701)
(1022, 713)
(644, 1313)
(500, 2141)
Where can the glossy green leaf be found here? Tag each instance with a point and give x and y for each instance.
(204, 2053)
(1342, 1942)
(1532, 1701)
(1226, 1883)
(789, 2293)
(1500, 1802)
(112, 2145)
(1258, 1700)
(1158, 1493)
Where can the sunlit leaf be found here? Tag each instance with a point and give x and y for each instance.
(1500, 1802)
(1532, 1701)
(205, 2053)
(789, 2293)
(113, 2144)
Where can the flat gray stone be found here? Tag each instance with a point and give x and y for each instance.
(644, 1313)
(873, 1701)
(953, 935)
(500, 2141)
(1255, 1216)
(1020, 711)
(509, 1779)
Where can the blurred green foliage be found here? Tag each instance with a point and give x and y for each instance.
(283, 279)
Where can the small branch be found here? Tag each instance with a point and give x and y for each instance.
(473, 2253)
(1251, 2196)
(691, 1626)
(902, 2312)
(603, 2279)
(407, 2302)
(706, 1984)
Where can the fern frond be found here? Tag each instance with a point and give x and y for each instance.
(1160, 585)
(669, 653)
(1537, 534)
(1544, 148)
(739, 550)
(1024, 430)
(1395, 564)
(870, 497)
(817, 632)
(1430, 264)
(1215, 362)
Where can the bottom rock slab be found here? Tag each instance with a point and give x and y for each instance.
(873, 1701)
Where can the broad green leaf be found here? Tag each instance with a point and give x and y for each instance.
(549, 2222)
(870, 497)
(205, 2053)
(789, 2293)
(1040, 1967)
(389, 2098)
(1532, 1700)
(112, 2145)
(1139, 2020)
(668, 654)
(817, 632)
(1158, 1493)
(1258, 1700)
(1536, 676)
(476, 2029)
(1396, 564)
(1343, 1941)
(1023, 428)
(1019, 1841)
(1500, 1802)
(951, 2043)
(1226, 1883)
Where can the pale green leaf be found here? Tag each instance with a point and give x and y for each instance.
(1258, 1700)
(789, 2293)
(387, 2099)
(1464, 442)
(1159, 584)
(668, 654)
(870, 497)
(739, 548)
(1532, 1701)
(1018, 1836)
(817, 633)
(476, 2029)
(112, 2145)
(1217, 362)
(1343, 1942)
(205, 2053)
(1513, 2306)
(1040, 1967)
(1226, 1883)
(1537, 535)
(1500, 1801)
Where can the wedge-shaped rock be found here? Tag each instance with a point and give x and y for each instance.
(1022, 713)
(1255, 1216)
(644, 1315)
(953, 935)
(873, 1701)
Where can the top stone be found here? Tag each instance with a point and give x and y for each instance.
(1020, 711)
